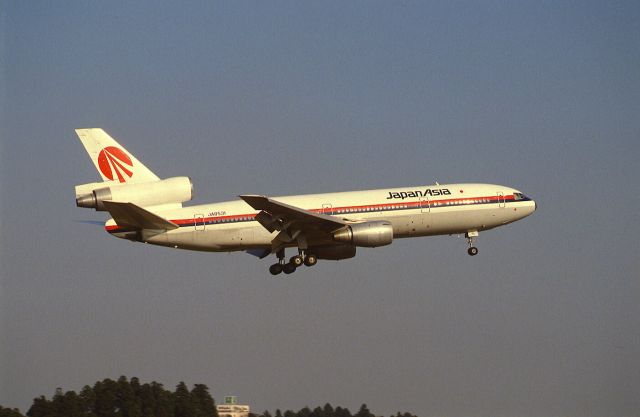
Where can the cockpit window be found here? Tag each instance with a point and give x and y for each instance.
(519, 196)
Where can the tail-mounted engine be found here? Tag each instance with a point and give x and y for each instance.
(145, 194)
(367, 234)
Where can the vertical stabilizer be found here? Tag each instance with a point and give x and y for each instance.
(112, 160)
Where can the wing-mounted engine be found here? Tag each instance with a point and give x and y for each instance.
(366, 234)
(144, 194)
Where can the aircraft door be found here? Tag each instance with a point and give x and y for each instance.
(425, 205)
(501, 202)
(199, 222)
(425, 209)
(326, 208)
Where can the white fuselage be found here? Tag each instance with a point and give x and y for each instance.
(412, 211)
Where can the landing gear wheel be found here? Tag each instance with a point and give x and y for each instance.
(310, 260)
(288, 268)
(275, 269)
(471, 235)
(296, 260)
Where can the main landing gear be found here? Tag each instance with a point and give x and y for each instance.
(293, 264)
(472, 251)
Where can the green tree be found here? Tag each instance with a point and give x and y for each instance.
(304, 412)
(147, 401)
(364, 412)
(69, 404)
(124, 398)
(127, 403)
(184, 407)
(88, 397)
(342, 412)
(106, 398)
(10, 412)
(164, 401)
(328, 411)
(41, 407)
(318, 412)
(203, 402)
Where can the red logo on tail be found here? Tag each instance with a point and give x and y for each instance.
(112, 160)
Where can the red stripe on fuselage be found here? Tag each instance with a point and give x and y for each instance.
(344, 210)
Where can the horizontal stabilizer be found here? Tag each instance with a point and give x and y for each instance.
(132, 216)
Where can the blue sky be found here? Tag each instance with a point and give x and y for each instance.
(301, 97)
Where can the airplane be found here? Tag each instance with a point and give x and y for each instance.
(146, 208)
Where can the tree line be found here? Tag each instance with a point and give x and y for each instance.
(130, 398)
(328, 411)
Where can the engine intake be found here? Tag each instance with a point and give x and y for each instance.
(367, 234)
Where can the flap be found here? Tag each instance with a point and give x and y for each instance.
(304, 219)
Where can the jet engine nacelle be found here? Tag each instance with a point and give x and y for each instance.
(144, 194)
(367, 234)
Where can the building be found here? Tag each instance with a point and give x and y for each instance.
(231, 408)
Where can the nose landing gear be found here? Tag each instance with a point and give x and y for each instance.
(472, 251)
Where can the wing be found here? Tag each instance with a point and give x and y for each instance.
(304, 218)
(293, 223)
